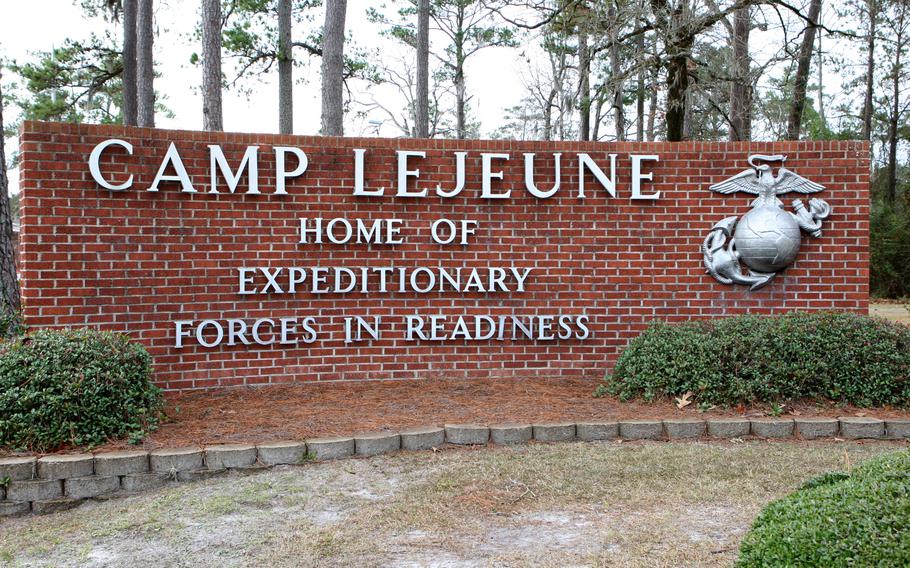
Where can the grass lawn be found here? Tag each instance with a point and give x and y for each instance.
(616, 504)
(894, 312)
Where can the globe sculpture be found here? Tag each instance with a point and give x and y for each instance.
(767, 238)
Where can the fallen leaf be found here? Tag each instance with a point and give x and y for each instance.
(684, 401)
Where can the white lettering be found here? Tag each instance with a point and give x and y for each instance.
(281, 173)
(94, 164)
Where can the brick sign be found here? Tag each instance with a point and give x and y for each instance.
(242, 259)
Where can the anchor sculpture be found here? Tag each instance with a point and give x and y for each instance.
(767, 238)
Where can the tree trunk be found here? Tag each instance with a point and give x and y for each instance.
(679, 45)
(872, 17)
(460, 96)
(548, 116)
(211, 65)
(145, 65)
(598, 115)
(821, 83)
(333, 68)
(640, 88)
(584, 85)
(677, 89)
(9, 284)
(619, 114)
(802, 72)
(740, 93)
(285, 69)
(652, 99)
(130, 109)
(422, 104)
(899, 46)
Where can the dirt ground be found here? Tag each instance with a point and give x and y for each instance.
(576, 504)
(307, 410)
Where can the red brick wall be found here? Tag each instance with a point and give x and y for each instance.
(135, 261)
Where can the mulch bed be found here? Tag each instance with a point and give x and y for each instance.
(294, 412)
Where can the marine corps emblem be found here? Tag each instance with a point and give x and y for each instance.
(767, 238)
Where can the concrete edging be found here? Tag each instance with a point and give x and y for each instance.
(55, 482)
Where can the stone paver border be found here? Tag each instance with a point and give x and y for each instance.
(57, 482)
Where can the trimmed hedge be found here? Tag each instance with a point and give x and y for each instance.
(77, 387)
(832, 356)
(838, 519)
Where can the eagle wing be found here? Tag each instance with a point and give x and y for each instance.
(746, 181)
(788, 181)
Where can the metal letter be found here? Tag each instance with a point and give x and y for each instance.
(585, 161)
(637, 176)
(459, 177)
(94, 164)
(404, 173)
(281, 174)
(173, 157)
(250, 159)
(359, 188)
(487, 175)
(529, 177)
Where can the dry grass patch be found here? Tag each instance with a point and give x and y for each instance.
(647, 504)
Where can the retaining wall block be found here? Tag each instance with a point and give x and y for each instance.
(34, 490)
(772, 427)
(65, 466)
(166, 460)
(14, 508)
(250, 469)
(590, 431)
(641, 429)
(554, 432)
(729, 427)
(2, 492)
(199, 474)
(54, 505)
(684, 428)
(230, 455)
(423, 438)
(281, 453)
(91, 486)
(136, 482)
(121, 463)
(814, 428)
(467, 434)
(855, 427)
(507, 434)
(897, 428)
(375, 443)
(18, 468)
(331, 448)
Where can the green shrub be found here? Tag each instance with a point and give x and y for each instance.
(77, 387)
(861, 519)
(840, 357)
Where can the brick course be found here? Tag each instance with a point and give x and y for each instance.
(136, 261)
